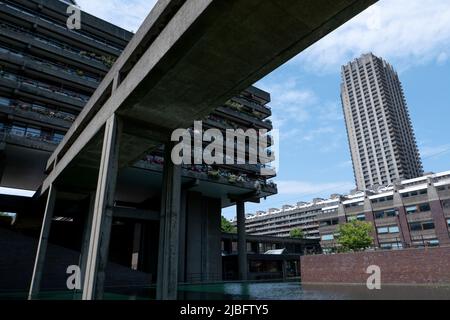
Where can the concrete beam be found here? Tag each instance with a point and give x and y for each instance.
(167, 283)
(189, 57)
(86, 237)
(102, 216)
(43, 243)
(138, 214)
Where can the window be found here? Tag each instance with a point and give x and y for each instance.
(411, 210)
(428, 226)
(394, 229)
(420, 226)
(361, 217)
(4, 102)
(33, 132)
(448, 223)
(18, 130)
(424, 207)
(327, 237)
(388, 229)
(386, 214)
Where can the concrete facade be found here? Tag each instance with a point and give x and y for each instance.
(380, 133)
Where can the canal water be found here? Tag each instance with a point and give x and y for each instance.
(264, 291)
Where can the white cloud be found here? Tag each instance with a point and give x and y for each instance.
(405, 32)
(303, 188)
(127, 14)
(290, 102)
(434, 151)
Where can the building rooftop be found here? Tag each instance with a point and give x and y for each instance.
(439, 179)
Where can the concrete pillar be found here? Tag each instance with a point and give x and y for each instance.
(402, 219)
(183, 239)
(437, 211)
(284, 269)
(167, 282)
(103, 211)
(228, 246)
(137, 235)
(43, 243)
(242, 241)
(86, 237)
(342, 217)
(2, 159)
(368, 212)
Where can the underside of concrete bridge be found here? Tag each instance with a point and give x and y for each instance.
(187, 59)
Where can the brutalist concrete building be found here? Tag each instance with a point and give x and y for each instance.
(411, 213)
(380, 133)
(47, 74)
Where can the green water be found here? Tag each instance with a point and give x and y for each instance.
(261, 291)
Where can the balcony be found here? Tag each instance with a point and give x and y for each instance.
(41, 89)
(241, 117)
(50, 69)
(46, 23)
(35, 140)
(36, 113)
(206, 172)
(62, 51)
(420, 217)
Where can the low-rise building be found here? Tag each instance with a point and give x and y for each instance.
(411, 213)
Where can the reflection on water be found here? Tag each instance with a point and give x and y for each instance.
(263, 291)
(296, 291)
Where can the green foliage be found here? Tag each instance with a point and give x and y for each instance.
(297, 233)
(227, 227)
(355, 236)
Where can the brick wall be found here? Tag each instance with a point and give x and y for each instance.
(409, 266)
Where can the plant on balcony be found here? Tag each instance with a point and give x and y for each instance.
(232, 178)
(108, 61)
(80, 73)
(214, 174)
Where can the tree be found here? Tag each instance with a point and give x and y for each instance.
(227, 227)
(297, 233)
(355, 236)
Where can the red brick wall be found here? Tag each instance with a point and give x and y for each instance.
(409, 266)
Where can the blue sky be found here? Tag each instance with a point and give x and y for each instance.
(413, 35)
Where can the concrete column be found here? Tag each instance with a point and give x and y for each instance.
(137, 235)
(103, 211)
(437, 211)
(228, 246)
(342, 217)
(167, 282)
(242, 241)
(284, 269)
(2, 159)
(368, 212)
(402, 219)
(43, 243)
(183, 239)
(86, 237)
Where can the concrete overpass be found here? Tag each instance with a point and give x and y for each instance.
(187, 59)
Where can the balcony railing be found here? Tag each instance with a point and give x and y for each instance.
(232, 177)
(43, 86)
(54, 66)
(41, 110)
(14, 131)
(59, 26)
(106, 60)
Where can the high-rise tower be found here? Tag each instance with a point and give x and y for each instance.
(380, 133)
